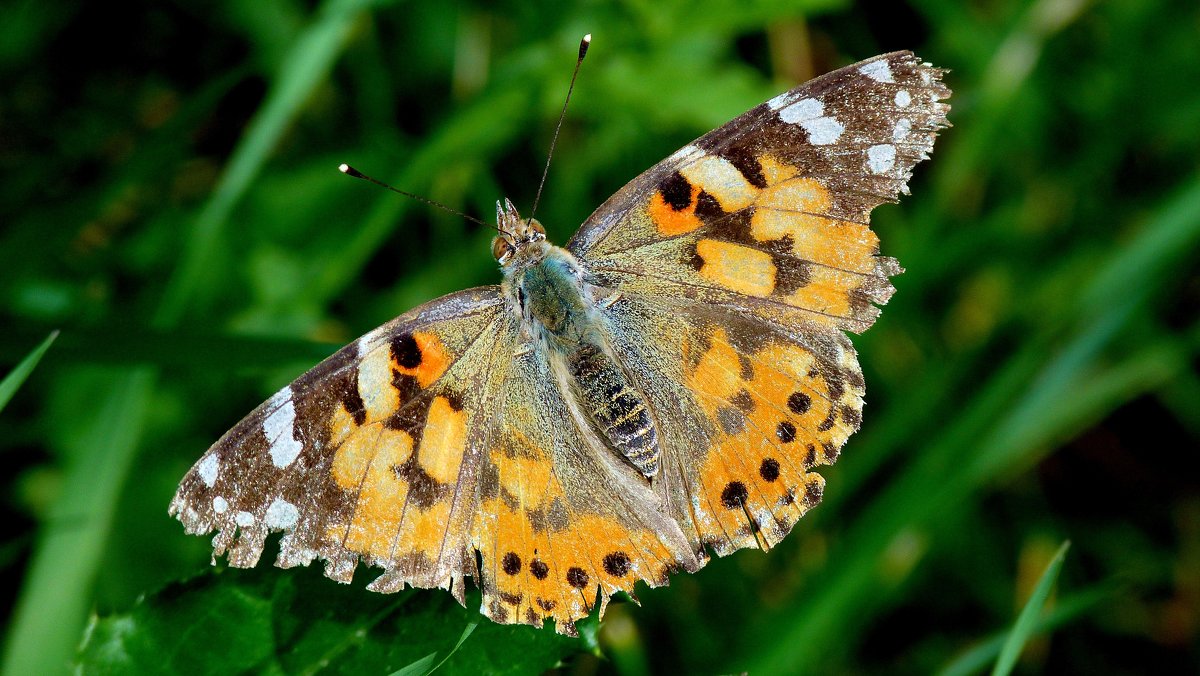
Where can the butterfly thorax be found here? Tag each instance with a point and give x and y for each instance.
(547, 287)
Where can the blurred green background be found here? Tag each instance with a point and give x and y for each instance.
(170, 202)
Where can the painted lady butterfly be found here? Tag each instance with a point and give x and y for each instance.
(662, 387)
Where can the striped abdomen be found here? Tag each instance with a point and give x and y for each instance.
(616, 408)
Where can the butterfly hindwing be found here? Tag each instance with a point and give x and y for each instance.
(746, 411)
(562, 520)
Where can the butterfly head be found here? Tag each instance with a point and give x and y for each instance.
(521, 241)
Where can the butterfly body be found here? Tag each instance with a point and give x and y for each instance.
(665, 386)
(558, 310)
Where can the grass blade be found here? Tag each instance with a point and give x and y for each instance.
(417, 668)
(1028, 619)
(57, 588)
(466, 632)
(13, 381)
(976, 659)
(306, 66)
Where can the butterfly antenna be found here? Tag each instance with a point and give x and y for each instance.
(351, 171)
(583, 48)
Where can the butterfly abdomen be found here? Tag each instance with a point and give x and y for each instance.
(550, 293)
(616, 408)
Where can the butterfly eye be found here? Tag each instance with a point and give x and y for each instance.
(501, 249)
(535, 226)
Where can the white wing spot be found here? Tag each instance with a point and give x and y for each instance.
(279, 427)
(903, 127)
(364, 344)
(281, 514)
(810, 115)
(219, 505)
(823, 131)
(879, 71)
(903, 98)
(881, 158)
(782, 100)
(804, 109)
(244, 519)
(281, 396)
(686, 154)
(209, 468)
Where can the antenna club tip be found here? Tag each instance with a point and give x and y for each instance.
(350, 171)
(587, 38)
(583, 45)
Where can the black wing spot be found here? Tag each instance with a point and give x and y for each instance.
(352, 402)
(511, 563)
(746, 162)
(829, 421)
(799, 403)
(831, 451)
(813, 491)
(744, 401)
(616, 564)
(539, 569)
(405, 351)
(734, 495)
(769, 470)
(676, 191)
(786, 432)
(810, 460)
(577, 577)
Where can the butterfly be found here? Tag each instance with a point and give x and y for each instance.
(664, 387)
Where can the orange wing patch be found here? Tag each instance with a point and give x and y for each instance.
(443, 441)
(364, 464)
(545, 560)
(776, 416)
(397, 466)
(422, 355)
(674, 213)
(736, 267)
(780, 240)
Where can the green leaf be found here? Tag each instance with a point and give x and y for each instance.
(1028, 619)
(15, 378)
(299, 622)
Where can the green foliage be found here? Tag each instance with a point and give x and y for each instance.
(171, 202)
(300, 623)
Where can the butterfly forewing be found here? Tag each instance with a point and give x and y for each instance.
(771, 211)
(364, 455)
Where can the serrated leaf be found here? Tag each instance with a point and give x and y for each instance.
(299, 622)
